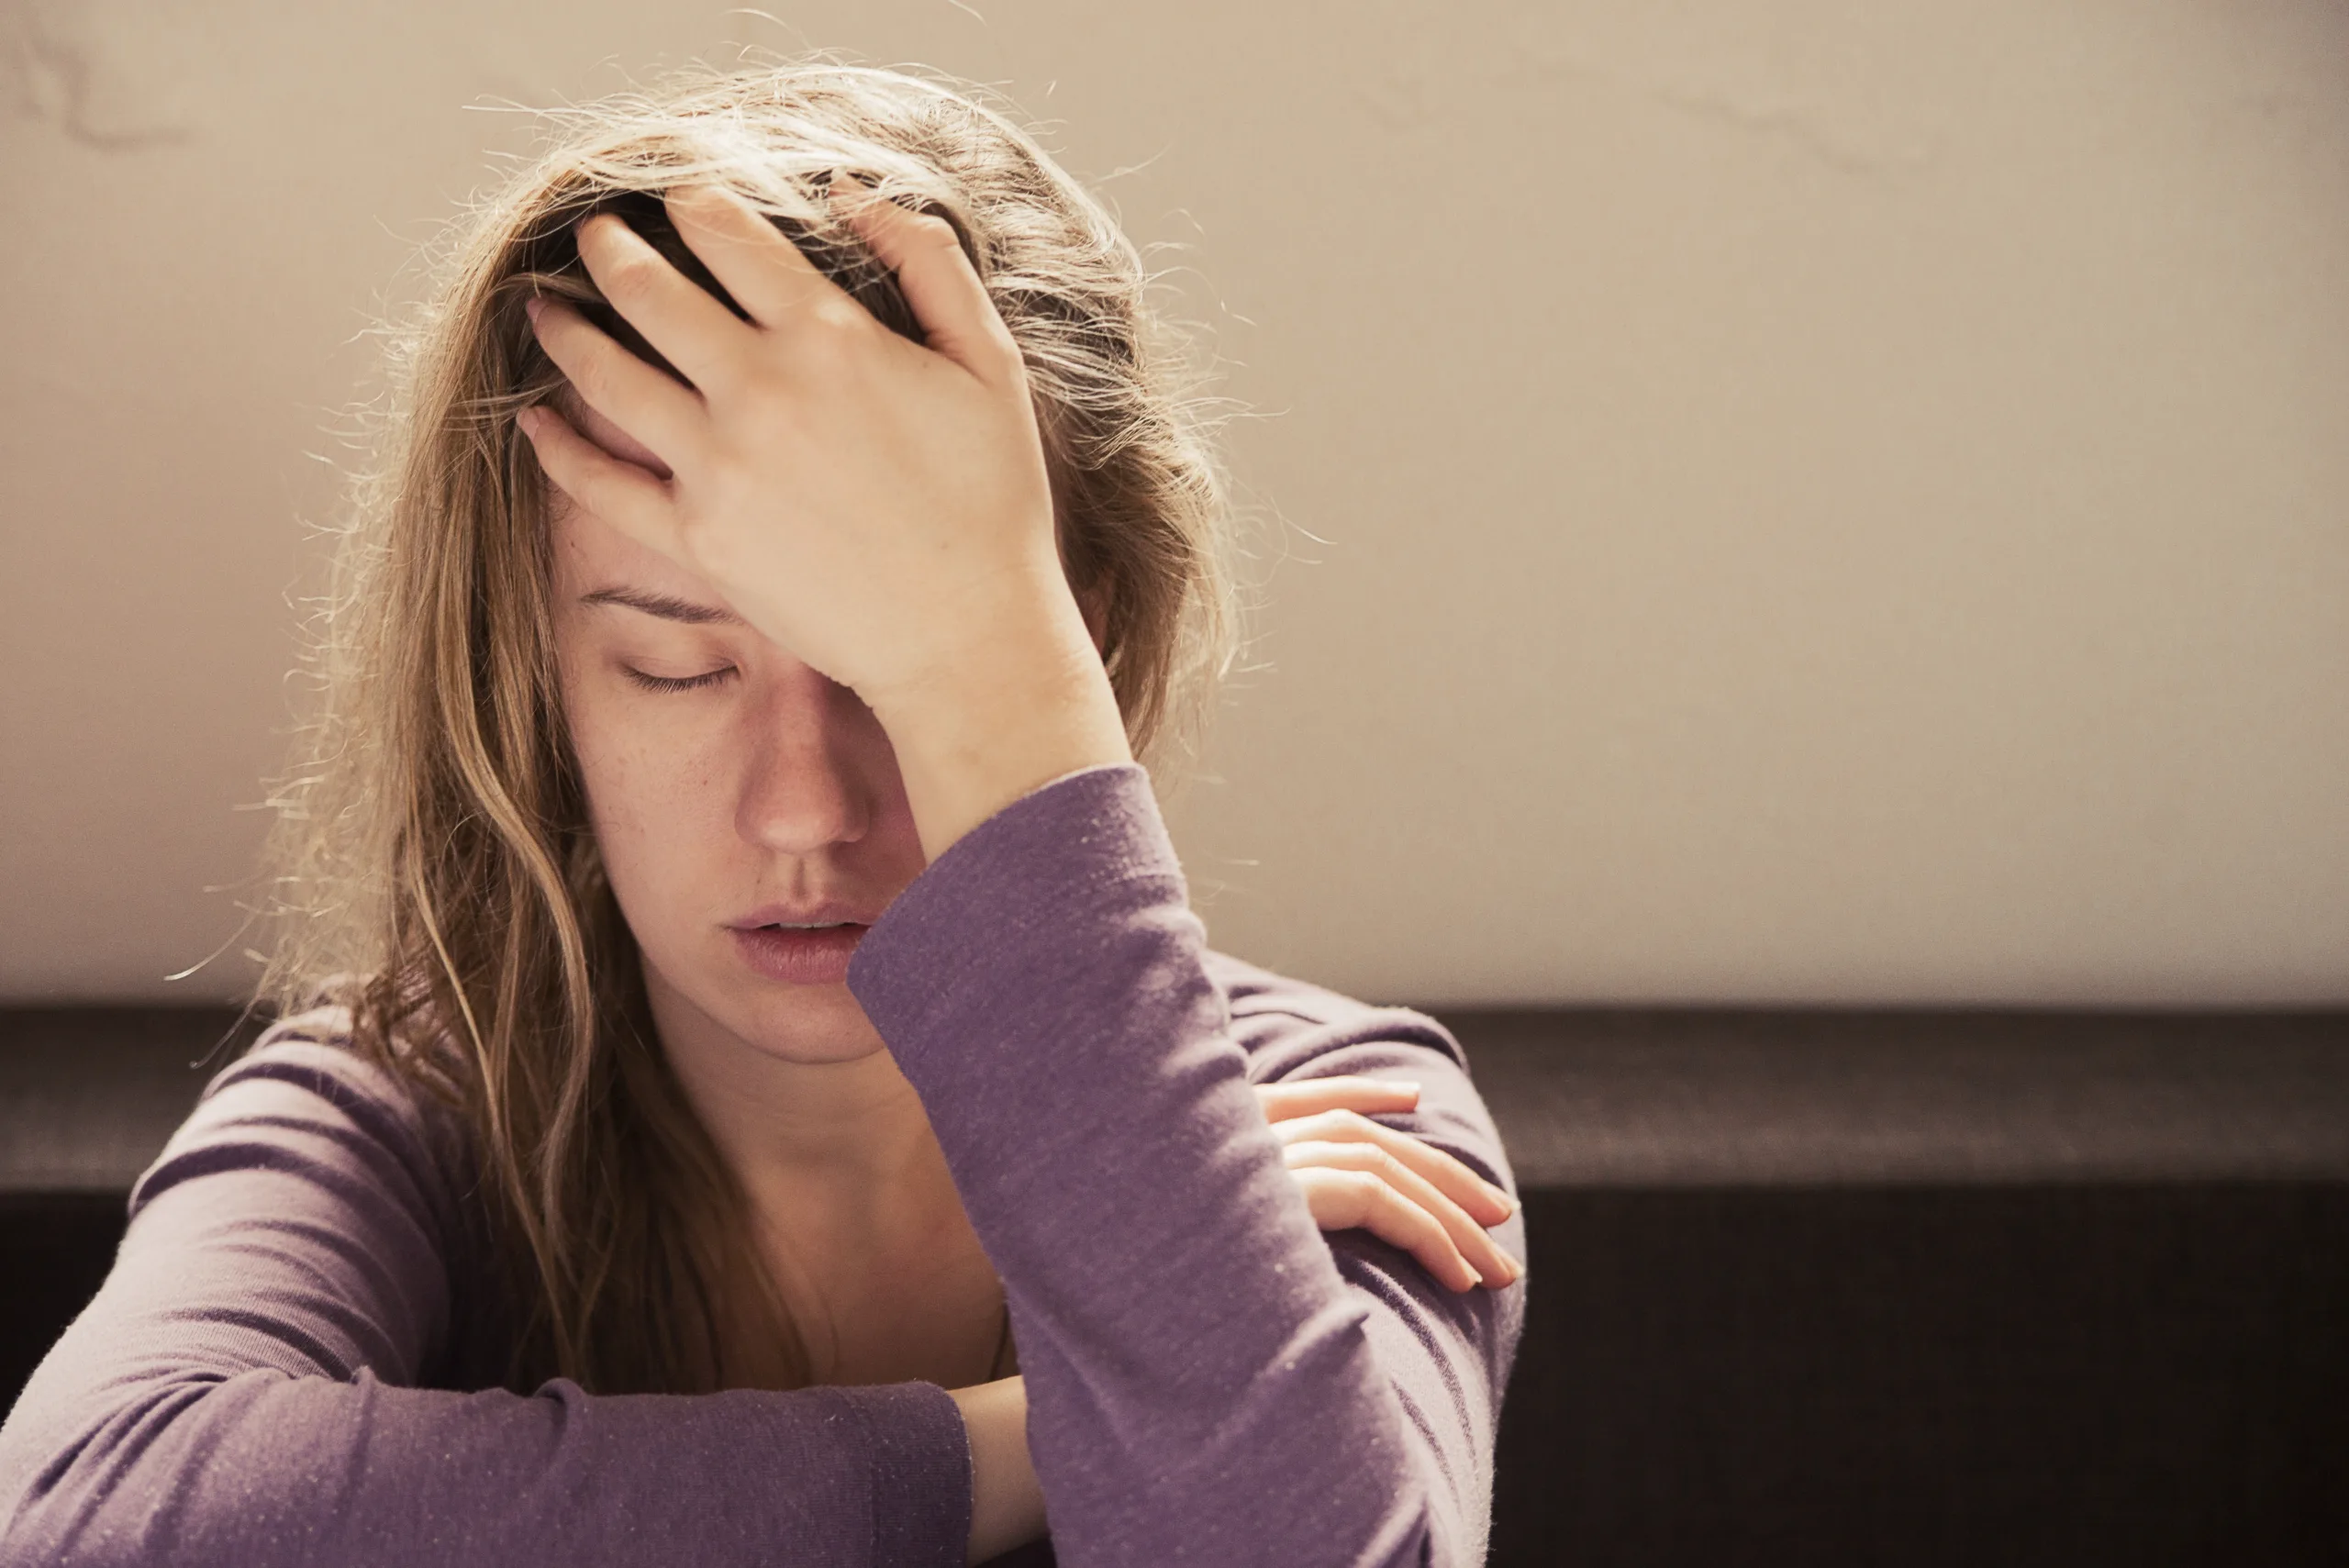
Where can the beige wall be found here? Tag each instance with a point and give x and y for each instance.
(1790, 503)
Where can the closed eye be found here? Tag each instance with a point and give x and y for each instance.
(676, 684)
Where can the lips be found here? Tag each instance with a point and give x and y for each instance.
(806, 944)
(830, 912)
(812, 956)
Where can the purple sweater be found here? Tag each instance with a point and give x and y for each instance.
(291, 1361)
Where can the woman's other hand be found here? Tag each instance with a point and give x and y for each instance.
(1357, 1174)
(877, 508)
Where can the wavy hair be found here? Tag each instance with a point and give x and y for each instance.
(432, 846)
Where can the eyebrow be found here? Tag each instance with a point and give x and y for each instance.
(666, 606)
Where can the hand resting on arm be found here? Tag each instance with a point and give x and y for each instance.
(1355, 1173)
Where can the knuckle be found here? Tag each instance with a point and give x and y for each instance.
(1336, 1201)
(592, 376)
(838, 318)
(1441, 1158)
(632, 276)
(931, 229)
(829, 346)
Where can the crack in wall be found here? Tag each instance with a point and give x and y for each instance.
(1408, 103)
(89, 71)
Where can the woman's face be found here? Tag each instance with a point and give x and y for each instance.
(732, 788)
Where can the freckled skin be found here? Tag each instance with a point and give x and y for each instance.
(771, 785)
(774, 784)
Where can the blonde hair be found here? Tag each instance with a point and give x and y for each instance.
(432, 838)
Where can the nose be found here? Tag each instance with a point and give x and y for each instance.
(805, 783)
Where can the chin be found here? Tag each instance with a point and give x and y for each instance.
(808, 1023)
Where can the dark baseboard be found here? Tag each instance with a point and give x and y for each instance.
(1962, 1375)
(55, 1248)
(1807, 1287)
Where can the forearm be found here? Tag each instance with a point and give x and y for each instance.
(247, 1388)
(1447, 1353)
(1024, 708)
(1201, 1382)
(260, 1470)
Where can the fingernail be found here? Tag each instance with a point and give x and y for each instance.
(531, 306)
(527, 419)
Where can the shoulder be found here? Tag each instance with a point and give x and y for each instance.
(1291, 1029)
(306, 1100)
(1448, 1354)
(1294, 1027)
(318, 1199)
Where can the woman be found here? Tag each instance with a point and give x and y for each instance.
(769, 995)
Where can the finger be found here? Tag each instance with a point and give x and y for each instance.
(1468, 1238)
(1480, 1198)
(684, 322)
(650, 405)
(623, 494)
(957, 318)
(1309, 1096)
(1354, 1200)
(766, 274)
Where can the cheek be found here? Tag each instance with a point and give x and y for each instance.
(652, 801)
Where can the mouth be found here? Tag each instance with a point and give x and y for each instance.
(814, 915)
(799, 953)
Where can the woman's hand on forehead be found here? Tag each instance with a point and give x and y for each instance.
(880, 508)
(860, 499)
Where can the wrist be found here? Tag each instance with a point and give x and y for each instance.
(1002, 722)
(1007, 1503)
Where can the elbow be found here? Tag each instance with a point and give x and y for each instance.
(49, 1511)
(90, 1486)
(1427, 1539)
(1441, 1516)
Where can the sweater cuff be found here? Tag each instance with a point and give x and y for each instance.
(919, 1455)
